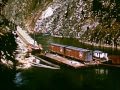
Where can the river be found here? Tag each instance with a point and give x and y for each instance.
(95, 78)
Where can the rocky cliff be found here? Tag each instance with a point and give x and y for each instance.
(94, 21)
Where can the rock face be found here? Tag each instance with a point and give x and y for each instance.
(70, 18)
(23, 12)
(88, 20)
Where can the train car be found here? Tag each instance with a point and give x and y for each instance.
(57, 48)
(115, 59)
(72, 52)
(78, 53)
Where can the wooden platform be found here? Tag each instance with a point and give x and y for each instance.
(66, 61)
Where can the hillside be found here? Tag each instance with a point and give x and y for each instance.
(90, 21)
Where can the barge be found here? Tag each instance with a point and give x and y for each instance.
(72, 56)
(69, 62)
(63, 60)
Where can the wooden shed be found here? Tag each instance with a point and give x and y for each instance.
(57, 48)
(78, 53)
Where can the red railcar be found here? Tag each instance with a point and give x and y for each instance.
(78, 53)
(57, 48)
(70, 51)
(115, 59)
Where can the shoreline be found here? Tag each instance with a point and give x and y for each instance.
(92, 44)
(102, 45)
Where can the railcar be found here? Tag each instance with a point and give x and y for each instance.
(57, 48)
(72, 52)
(78, 53)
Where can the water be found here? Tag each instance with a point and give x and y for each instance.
(99, 78)
(95, 78)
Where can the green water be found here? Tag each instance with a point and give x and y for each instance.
(96, 78)
(99, 78)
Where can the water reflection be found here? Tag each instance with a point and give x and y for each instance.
(18, 79)
(85, 79)
(101, 71)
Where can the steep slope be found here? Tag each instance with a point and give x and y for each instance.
(95, 21)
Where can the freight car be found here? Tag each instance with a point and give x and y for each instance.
(115, 59)
(78, 53)
(57, 48)
(72, 52)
